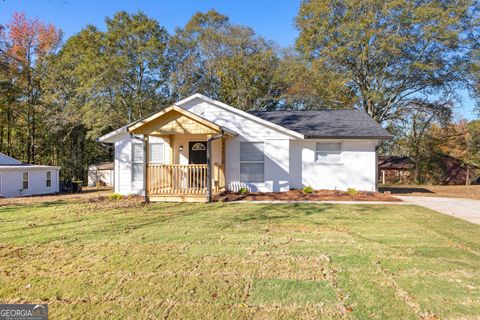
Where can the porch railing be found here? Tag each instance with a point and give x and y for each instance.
(177, 179)
(184, 179)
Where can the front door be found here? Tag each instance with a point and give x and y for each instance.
(197, 152)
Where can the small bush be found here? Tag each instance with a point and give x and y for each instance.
(243, 191)
(352, 191)
(307, 189)
(115, 196)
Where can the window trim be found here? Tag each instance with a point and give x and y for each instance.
(150, 152)
(49, 179)
(27, 181)
(243, 161)
(133, 162)
(340, 153)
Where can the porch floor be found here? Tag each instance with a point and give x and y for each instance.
(178, 198)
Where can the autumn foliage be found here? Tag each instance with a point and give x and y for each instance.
(25, 44)
(401, 62)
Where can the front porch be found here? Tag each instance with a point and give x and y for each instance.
(184, 156)
(188, 182)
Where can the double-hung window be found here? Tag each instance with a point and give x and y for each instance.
(25, 181)
(137, 161)
(49, 179)
(328, 153)
(156, 152)
(252, 162)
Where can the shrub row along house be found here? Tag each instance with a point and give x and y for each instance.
(199, 146)
(20, 179)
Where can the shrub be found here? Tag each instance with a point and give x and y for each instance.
(243, 190)
(307, 189)
(115, 196)
(352, 191)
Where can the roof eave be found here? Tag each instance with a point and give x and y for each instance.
(27, 167)
(110, 137)
(349, 137)
(245, 114)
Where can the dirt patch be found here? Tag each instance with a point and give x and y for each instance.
(470, 192)
(87, 194)
(299, 195)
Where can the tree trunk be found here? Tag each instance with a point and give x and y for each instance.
(1, 132)
(467, 180)
(33, 135)
(9, 134)
(416, 168)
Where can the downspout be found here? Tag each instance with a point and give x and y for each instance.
(209, 164)
(376, 165)
(135, 137)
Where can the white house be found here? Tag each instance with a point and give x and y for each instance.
(199, 146)
(19, 179)
(100, 174)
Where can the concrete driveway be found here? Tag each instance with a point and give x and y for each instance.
(466, 209)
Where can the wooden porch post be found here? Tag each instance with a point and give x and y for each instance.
(209, 164)
(145, 167)
(172, 148)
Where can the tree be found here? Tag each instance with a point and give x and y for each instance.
(225, 61)
(114, 76)
(66, 93)
(7, 97)
(305, 86)
(100, 81)
(24, 49)
(473, 141)
(391, 53)
(474, 55)
(420, 118)
(130, 75)
(459, 139)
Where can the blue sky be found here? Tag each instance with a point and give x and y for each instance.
(272, 19)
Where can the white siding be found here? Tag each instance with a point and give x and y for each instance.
(123, 168)
(289, 162)
(12, 182)
(123, 165)
(276, 146)
(247, 129)
(356, 170)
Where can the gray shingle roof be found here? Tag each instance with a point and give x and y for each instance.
(333, 123)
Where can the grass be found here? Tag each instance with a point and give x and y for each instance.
(100, 258)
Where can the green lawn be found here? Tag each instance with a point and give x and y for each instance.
(122, 259)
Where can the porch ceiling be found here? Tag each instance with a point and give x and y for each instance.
(175, 120)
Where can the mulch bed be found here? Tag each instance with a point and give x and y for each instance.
(299, 195)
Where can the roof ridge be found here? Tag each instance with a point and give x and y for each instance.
(343, 109)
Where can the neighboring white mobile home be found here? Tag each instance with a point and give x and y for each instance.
(18, 179)
(200, 146)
